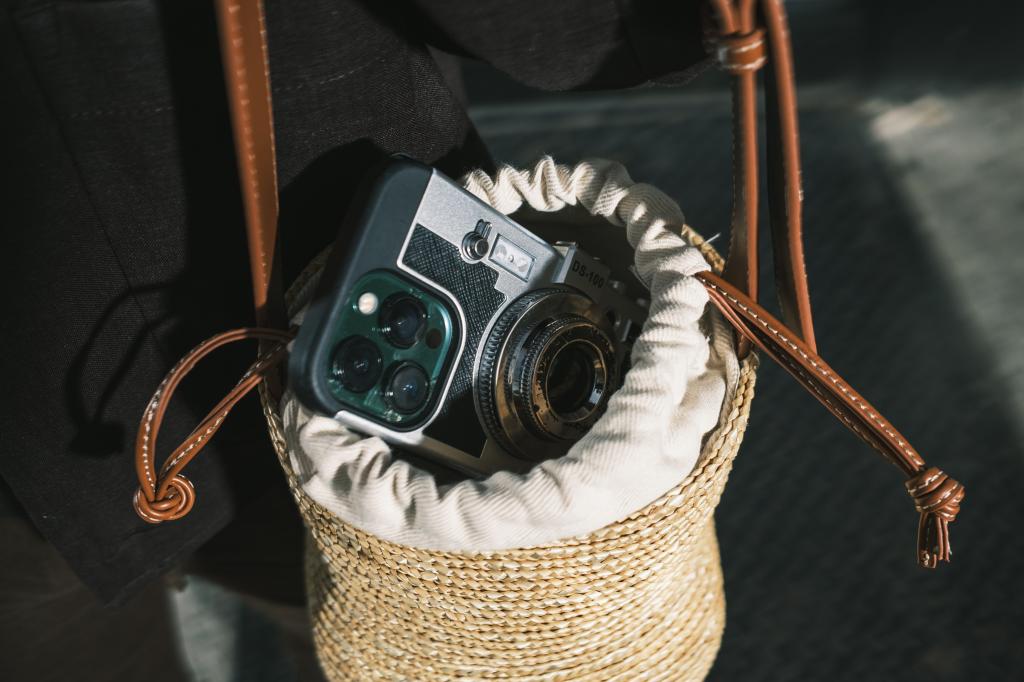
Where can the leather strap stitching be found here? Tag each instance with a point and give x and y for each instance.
(246, 69)
(936, 496)
(879, 422)
(170, 495)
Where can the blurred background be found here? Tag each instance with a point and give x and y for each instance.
(913, 151)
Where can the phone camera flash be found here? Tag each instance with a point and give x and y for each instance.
(367, 303)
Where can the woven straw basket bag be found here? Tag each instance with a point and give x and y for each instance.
(640, 598)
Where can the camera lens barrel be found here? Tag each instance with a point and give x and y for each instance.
(571, 381)
(560, 376)
(546, 372)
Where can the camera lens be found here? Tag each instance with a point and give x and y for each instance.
(357, 364)
(571, 380)
(546, 372)
(407, 388)
(403, 319)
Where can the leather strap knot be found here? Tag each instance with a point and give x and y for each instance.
(937, 497)
(168, 495)
(739, 52)
(177, 502)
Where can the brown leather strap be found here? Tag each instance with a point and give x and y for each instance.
(168, 495)
(243, 39)
(785, 193)
(743, 48)
(936, 496)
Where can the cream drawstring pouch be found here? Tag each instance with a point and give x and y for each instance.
(683, 367)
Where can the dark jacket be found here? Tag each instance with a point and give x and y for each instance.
(122, 239)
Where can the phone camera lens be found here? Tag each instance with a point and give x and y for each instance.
(407, 388)
(357, 364)
(403, 319)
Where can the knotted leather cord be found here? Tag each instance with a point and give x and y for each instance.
(170, 495)
(936, 496)
(742, 52)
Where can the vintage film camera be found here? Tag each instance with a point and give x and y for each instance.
(451, 331)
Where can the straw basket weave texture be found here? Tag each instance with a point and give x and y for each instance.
(641, 598)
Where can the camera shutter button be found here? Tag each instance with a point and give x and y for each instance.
(475, 246)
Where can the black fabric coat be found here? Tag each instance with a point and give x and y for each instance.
(123, 242)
